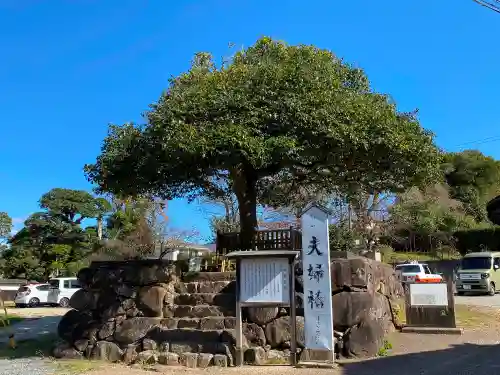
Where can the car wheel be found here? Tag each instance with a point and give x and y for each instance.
(33, 302)
(64, 302)
(460, 293)
(19, 305)
(492, 289)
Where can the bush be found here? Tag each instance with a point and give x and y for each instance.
(387, 253)
(476, 240)
(341, 238)
(447, 252)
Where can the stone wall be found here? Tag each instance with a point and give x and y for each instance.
(140, 311)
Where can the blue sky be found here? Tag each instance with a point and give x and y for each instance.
(68, 68)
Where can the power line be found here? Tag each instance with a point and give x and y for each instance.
(480, 141)
(491, 4)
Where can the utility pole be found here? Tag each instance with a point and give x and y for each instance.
(494, 5)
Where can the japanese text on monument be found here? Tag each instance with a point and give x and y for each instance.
(317, 279)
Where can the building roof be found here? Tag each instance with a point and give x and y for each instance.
(182, 246)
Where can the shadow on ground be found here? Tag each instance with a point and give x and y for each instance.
(30, 328)
(33, 337)
(40, 346)
(458, 359)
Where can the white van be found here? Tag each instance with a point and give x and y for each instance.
(61, 290)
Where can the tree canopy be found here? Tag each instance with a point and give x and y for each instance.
(53, 238)
(473, 179)
(5, 224)
(298, 113)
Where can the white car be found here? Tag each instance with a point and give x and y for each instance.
(32, 295)
(417, 273)
(61, 289)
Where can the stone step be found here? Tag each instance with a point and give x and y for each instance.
(209, 276)
(163, 334)
(225, 300)
(188, 359)
(198, 311)
(196, 347)
(206, 323)
(210, 287)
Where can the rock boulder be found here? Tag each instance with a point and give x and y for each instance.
(365, 274)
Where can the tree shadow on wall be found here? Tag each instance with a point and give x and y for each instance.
(459, 359)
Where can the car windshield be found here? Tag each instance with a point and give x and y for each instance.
(54, 284)
(23, 289)
(409, 269)
(427, 270)
(479, 263)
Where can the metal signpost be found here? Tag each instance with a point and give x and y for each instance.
(318, 313)
(265, 278)
(430, 308)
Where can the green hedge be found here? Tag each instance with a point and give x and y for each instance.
(478, 240)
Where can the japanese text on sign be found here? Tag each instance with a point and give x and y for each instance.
(265, 281)
(317, 280)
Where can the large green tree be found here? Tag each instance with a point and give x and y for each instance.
(296, 114)
(474, 179)
(54, 237)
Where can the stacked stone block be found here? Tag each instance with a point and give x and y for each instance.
(139, 311)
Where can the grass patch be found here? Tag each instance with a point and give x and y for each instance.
(395, 257)
(76, 366)
(384, 351)
(278, 361)
(11, 319)
(466, 316)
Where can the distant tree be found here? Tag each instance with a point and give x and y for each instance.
(423, 219)
(295, 112)
(473, 179)
(20, 262)
(5, 224)
(103, 208)
(341, 238)
(72, 205)
(53, 238)
(134, 228)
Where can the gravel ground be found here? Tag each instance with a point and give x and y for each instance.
(479, 300)
(37, 312)
(475, 352)
(245, 370)
(25, 366)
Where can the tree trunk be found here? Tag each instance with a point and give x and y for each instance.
(245, 189)
(47, 274)
(99, 228)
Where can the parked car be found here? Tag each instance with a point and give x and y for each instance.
(32, 295)
(415, 272)
(480, 273)
(61, 290)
